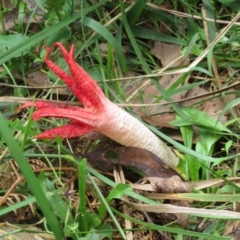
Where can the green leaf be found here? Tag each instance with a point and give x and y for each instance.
(105, 231)
(194, 166)
(201, 119)
(119, 191)
(95, 235)
(88, 221)
(187, 134)
(61, 209)
(228, 144)
(207, 142)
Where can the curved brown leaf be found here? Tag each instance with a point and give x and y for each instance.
(150, 164)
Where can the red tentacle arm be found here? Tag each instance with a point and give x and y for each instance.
(99, 114)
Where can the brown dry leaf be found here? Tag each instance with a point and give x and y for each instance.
(172, 184)
(167, 53)
(39, 79)
(162, 120)
(216, 105)
(194, 92)
(150, 164)
(211, 107)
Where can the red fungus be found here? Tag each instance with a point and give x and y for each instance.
(99, 114)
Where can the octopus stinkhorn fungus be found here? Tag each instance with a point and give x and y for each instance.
(99, 114)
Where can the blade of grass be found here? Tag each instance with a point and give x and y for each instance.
(103, 200)
(210, 197)
(133, 40)
(210, 13)
(17, 205)
(82, 192)
(20, 17)
(168, 229)
(102, 31)
(145, 33)
(135, 11)
(227, 108)
(31, 179)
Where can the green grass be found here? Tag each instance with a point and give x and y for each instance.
(113, 42)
